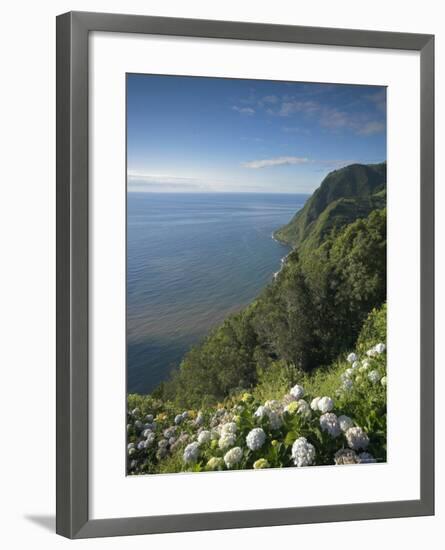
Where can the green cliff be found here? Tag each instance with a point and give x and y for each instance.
(343, 196)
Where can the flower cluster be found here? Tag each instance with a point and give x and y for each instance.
(303, 453)
(232, 457)
(255, 439)
(244, 432)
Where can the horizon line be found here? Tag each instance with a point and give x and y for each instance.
(207, 192)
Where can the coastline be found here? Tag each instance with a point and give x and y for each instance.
(283, 259)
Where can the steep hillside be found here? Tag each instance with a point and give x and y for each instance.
(311, 313)
(315, 307)
(344, 196)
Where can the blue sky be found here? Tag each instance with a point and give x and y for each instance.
(193, 134)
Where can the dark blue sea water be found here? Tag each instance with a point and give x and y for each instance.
(192, 259)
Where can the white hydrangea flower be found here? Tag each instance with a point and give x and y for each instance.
(232, 457)
(345, 422)
(366, 363)
(346, 456)
(357, 438)
(149, 418)
(347, 384)
(191, 453)
(351, 358)
(178, 419)
(374, 376)
(228, 428)
(303, 408)
(199, 421)
(325, 404)
(255, 439)
(355, 365)
(135, 411)
(275, 420)
(329, 423)
(138, 424)
(314, 403)
(371, 352)
(379, 348)
(226, 440)
(272, 405)
(366, 458)
(261, 411)
(185, 415)
(131, 446)
(170, 432)
(274, 417)
(303, 453)
(383, 381)
(150, 439)
(297, 392)
(204, 437)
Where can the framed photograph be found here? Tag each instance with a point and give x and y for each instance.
(244, 275)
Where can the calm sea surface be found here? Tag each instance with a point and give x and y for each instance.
(192, 259)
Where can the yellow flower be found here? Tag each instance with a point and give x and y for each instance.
(215, 463)
(292, 407)
(246, 397)
(192, 414)
(260, 464)
(274, 442)
(161, 417)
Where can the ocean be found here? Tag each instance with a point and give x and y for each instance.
(192, 259)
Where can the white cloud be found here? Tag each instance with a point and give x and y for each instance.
(372, 127)
(277, 161)
(268, 99)
(244, 110)
(332, 118)
(335, 119)
(288, 108)
(379, 99)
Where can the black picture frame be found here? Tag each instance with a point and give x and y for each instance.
(72, 273)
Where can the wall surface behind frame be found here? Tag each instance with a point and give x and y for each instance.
(27, 274)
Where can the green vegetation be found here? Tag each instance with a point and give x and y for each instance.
(311, 313)
(341, 420)
(329, 298)
(343, 196)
